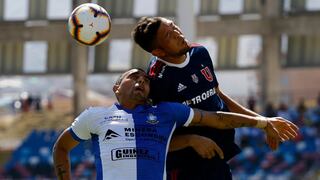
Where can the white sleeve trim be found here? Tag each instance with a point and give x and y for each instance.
(191, 115)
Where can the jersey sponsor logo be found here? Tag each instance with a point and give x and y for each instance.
(207, 74)
(110, 134)
(134, 153)
(199, 98)
(195, 78)
(181, 87)
(116, 118)
(152, 119)
(145, 133)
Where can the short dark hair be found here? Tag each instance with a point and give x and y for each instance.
(120, 78)
(145, 32)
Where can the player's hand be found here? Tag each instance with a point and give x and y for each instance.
(273, 143)
(279, 130)
(205, 147)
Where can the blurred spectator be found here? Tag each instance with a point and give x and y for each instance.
(252, 103)
(270, 111)
(25, 101)
(314, 114)
(283, 111)
(301, 108)
(299, 113)
(49, 103)
(37, 103)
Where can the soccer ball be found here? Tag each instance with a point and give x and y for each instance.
(89, 24)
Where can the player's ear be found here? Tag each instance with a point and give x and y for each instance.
(115, 88)
(158, 52)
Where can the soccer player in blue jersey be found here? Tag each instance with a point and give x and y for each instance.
(183, 72)
(131, 138)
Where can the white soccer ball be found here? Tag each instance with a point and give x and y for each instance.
(89, 24)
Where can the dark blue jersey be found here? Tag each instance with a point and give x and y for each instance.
(191, 83)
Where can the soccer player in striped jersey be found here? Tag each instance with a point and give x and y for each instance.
(131, 138)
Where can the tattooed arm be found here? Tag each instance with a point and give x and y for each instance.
(276, 127)
(61, 149)
(233, 106)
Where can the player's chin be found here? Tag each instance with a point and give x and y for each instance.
(142, 100)
(140, 95)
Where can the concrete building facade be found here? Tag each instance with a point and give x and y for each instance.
(284, 65)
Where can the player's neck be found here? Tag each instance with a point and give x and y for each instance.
(175, 59)
(131, 105)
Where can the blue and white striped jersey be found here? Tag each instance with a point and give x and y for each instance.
(131, 144)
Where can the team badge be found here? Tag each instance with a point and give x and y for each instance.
(152, 119)
(195, 78)
(207, 74)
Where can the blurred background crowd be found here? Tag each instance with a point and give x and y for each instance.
(293, 160)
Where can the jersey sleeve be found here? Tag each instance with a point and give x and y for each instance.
(158, 86)
(205, 51)
(79, 129)
(182, 114)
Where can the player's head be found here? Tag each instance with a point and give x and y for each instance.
(160, 36)
(132, 87)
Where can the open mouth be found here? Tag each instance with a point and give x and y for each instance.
(139, 89)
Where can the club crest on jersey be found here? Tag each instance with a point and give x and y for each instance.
(207, 74)
(195, 78)
(152, 119)
(181, 87)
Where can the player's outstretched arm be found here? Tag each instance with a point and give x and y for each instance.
(61, 160)
(278, 128)
(233, 106)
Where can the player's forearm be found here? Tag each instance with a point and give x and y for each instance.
(229, 120)
(61, 164)
(179, 142)
(234, 106)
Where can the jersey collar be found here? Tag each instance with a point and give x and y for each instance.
(139, 108)
(181, 65)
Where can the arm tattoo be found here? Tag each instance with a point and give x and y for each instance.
(235, 124)
(201, 116)
(220, 117)
(60, 171)
(231, 123)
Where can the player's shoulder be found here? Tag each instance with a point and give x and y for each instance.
(98, 109)
(198, 50)
(155, 67)
(197, 47)
(96, 112)
(168, 105)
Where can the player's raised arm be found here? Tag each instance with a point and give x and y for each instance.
(276, 127)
